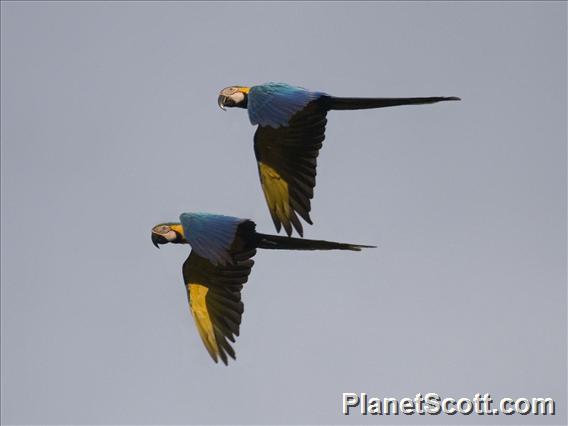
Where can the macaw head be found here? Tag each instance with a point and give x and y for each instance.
(168, 233)
(233, 96)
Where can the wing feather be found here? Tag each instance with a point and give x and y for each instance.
(274, 104)
(210, 235)
(214, 294)
(287, 162)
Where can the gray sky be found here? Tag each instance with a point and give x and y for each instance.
(110, 125)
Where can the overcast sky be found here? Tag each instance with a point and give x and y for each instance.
(110, 126)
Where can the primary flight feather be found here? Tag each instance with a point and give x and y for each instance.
(291, 128)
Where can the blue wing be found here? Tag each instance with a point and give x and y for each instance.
(273, 104)
(210, 235)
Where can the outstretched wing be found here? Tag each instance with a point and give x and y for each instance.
(214, 294)
(287, 161)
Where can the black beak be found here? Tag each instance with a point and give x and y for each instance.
(158, 239)
(221, 102)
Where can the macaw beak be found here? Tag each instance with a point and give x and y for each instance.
(158, 239)
(221, 102)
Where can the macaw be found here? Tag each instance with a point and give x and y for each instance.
(219, 264)
(291, 128)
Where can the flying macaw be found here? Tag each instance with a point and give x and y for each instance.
(218, 266)
(291, 128)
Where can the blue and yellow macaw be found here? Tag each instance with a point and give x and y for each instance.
(291, 128)
(218, 266)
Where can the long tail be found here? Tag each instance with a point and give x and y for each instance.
(276, 242)
(334, 103)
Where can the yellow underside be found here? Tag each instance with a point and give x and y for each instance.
(198, 306)
(275, 191)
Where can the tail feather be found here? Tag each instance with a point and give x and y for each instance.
(277, 242)
(334, 103)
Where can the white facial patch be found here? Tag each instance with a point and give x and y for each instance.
(170, 236)
(237, 97)
(228, 91)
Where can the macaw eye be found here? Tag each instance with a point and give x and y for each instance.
(162, 229)
(230, 91)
